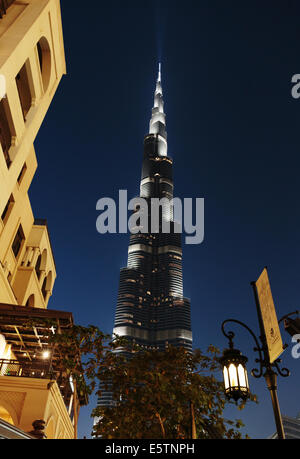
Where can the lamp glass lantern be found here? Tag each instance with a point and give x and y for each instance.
(235, 374)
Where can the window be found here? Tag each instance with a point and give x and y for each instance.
(44, 291)
(5, 131)
(7, 210)
(38, 266)
(22, 173)
(19, 238)
(40, 54)
(44, 55)
(30, 302)
(4, 6)
(22, 82)
(47, 285)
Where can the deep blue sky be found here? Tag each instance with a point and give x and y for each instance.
(233, 131)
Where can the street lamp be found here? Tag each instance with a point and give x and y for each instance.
(235, 374)
(269, 348)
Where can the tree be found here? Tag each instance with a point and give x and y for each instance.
(153, 391)
(80, 352)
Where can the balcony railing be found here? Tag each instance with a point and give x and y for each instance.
(25, 369)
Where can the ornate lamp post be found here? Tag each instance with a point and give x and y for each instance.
(235, 373)
(268, 346)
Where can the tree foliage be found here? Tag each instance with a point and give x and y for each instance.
(80, 351)
(154, 392)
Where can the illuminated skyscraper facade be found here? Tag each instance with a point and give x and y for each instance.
(151, 308)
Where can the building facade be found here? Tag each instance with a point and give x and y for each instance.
(151, 308)
(291, 427)
(32, 63)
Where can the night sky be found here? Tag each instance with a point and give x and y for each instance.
(233, 132)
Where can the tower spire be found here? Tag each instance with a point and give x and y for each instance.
(158, 119)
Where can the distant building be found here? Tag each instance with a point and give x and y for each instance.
(291, 427)
(32, 63)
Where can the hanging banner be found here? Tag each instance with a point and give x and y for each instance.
(268, 315)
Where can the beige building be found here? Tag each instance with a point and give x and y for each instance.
(32, 63)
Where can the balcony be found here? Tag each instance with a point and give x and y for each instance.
(39, 370)
(43, 222)
(35, 276)
(27, 331)
(25, 369)
(32, 366)
(39, 233)
(26, 285)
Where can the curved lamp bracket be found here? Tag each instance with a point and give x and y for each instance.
(257, 373)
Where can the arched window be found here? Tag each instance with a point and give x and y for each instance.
(38, 266)
(47, 284)
(44, 54)
(41, 263)
(30, 302)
